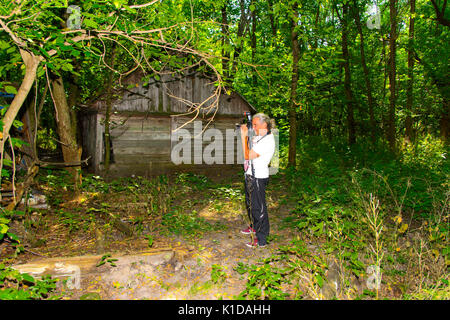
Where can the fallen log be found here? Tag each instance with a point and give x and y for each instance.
(63, 164)
(75, 268)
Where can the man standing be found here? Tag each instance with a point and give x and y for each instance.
(257, 160)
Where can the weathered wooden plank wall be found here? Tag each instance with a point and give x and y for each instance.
(219, 136)
(162, 97)
(142, 144)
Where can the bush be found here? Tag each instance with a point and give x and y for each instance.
(427, 151)
(21, 286)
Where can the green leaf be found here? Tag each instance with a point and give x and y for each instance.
(5, 173)
(10, 89)
(44, 52)
(319, 280)
(18, 143)
(4, 45)
(7, 162)
(4, 220)
(75, 53)
(90, 23)
(17, 124)
(3, 228)
(10, 50)
(12, 294)
(13, 236)
(28, 278)
(101, 263)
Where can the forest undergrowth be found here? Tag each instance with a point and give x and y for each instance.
(348, 223)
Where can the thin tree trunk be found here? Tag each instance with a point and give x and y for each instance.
(272, 18)
(30, 120)
(293, 98)
(347, 77)
(307, 123)
(409, 90)
(40, 107)
(366, 76)
(316, 23)
(391, 136)
(240, 33)
(253, 41)
(108, 111)
(29, 125)
(225, 43)
(385, 61)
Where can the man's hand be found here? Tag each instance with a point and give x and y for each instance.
(244, 130)
(248, 154)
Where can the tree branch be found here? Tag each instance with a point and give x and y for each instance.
(440, 15)
(5, 27)
(137, 6)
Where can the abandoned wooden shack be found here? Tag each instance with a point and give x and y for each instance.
(143, 125)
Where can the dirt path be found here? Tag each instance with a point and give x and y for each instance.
(186, 271)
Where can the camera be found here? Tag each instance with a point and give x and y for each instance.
(248, 119)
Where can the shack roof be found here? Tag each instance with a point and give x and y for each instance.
(170, 94)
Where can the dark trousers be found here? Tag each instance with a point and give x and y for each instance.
(255, 200)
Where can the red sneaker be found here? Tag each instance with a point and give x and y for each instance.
(254, 244)
(249, 230)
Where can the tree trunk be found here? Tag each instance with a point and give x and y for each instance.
(272, 18)
(385, 61)
(65, 126)
(347, 77)
(108, 111)
(316, 23)
(370, 99)
(240, 34)
(72, 100)
(293, 98)
(409, 90)
(225, 43)
(31, 63)
(253, 40)
(34, 117)
(29, 125)
(391, 136)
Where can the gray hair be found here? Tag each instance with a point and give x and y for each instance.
(265, 118)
